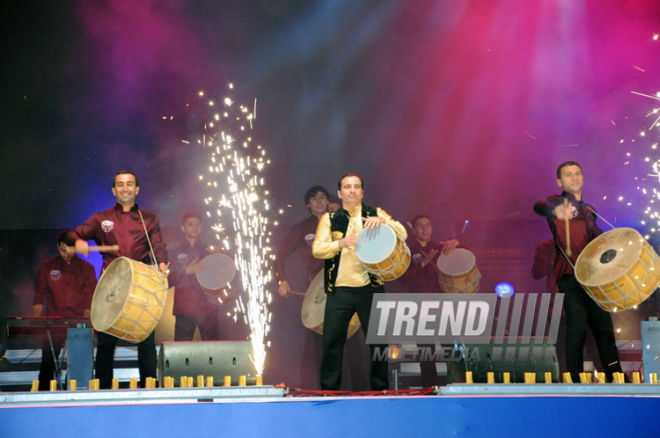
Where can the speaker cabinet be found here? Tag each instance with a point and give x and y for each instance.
(206, 358)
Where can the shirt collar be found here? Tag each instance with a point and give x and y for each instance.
(120, 207)
(570, 196)
(357, 212)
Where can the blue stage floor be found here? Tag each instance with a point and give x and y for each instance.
(465, 416)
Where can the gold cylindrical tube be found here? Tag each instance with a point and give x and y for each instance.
(209, 381)
(601, 377)
(532, 378)
(97, 384)
(260, 380)
(653, 378)
(115, 383)
(53, 385)
(585, 377)
(242, 381)
(636, 377)
(73, 385)
(506, 377)
(35, 386)
(133, 383)
(183, 382)
(567, 378)
(490, 377)
(200, 381)
(227, 381)
(548, 377)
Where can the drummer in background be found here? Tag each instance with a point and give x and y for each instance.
(122, 225)
(581, 310)
(66, 284)
(300, 238)
(191, 307)
(350, 288)
(422, 275)
(544, 265)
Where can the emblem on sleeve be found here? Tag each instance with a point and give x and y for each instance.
(107, 226)
(574, 210)
(55, 275)
(417, 258)
(310, 239)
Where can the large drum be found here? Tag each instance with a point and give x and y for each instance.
(216, 278)
(313, 308)
(458, 271)
(129, 300)
(618, 269)
(383, 253)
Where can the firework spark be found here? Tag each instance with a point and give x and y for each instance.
(239, 205)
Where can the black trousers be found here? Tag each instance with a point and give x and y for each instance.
(185, 325)
(105, 357)
(340, 306)
(582, 311)
(47, 370)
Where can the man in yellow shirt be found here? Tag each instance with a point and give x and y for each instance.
(349, 286)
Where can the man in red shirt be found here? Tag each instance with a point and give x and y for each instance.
(124, 225)
(581, 310)
(66, 284)
(422, 275)
(300, 238)
(191, 307)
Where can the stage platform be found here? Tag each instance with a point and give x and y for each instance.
(515, 410)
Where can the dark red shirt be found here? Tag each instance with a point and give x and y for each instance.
(116, 227)
(67, 287)
(544, 259)
(423, 280)
(189, 298)
(582, 229)
(300, 238)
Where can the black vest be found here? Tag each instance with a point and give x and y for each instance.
(339, 221)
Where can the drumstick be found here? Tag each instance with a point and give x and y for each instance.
(102, 248)
(300, 294)
(568, 234)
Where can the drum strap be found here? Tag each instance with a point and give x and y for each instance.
(594, 211)
(151, 248)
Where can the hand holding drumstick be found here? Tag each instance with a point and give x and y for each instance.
(82, 247)
(564, 212)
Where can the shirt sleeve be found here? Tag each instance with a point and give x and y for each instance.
(543, 260)
(399, 229)
(177, 270)
(41, 286)
(89, 286)
(288, 247)
(88, 230)
(324, 247)
(545, 208)
(160, 249)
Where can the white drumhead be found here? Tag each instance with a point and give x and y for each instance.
(220, 271)
(457, 262)
(375, 245)
(111, 293)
